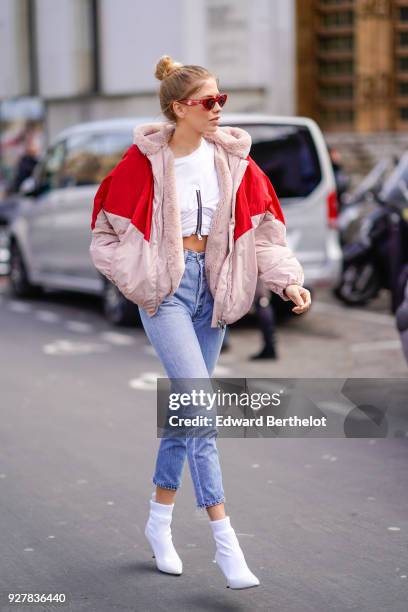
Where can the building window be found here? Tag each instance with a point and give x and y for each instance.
(403, 88)
(335, 2)
(335, 62)
(336, 43)
(337, 19)
(335, 67)
(337, 91)
(332, 117)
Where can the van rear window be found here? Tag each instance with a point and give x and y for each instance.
(288, 156)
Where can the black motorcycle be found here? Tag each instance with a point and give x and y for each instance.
(356, 205)
(395, 194)
(372, 237)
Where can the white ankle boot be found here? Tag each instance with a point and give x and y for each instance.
(158, 532)
(229, 556)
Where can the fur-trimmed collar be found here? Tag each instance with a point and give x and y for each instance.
(151, 137)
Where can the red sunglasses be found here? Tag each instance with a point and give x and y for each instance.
(208, 103)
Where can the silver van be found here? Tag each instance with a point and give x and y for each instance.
(49, 240)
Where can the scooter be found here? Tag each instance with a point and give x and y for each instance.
(395, 195)
(356, 205)
(401, 315)
(372, 256)
(401, 230)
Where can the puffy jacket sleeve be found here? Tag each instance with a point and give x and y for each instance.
(104, 238)
(125, 195)
(277, 265)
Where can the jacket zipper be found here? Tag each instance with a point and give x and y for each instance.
(221, 321)
(199, 215)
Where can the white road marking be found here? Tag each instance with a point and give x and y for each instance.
(79, 326)
(47, 316)
(380, 345)
(221, 370)
(394, 528)
(117, 338)
(66, 347)
(329, 457)
(19, 307)
(146, 381)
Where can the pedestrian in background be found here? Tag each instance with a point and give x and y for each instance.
(25, 166)
(341, 178)
(266, 322)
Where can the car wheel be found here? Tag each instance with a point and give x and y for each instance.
(20, 284)
(117, 309)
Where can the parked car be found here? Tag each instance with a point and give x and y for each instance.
(49, 240)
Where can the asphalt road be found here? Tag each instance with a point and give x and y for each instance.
(323, 522)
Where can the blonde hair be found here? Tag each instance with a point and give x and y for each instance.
(178, 81)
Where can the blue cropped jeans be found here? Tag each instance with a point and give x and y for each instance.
(188, 347)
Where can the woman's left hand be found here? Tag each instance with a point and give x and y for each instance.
(300, 296)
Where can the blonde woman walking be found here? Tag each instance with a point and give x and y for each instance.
(183, 226)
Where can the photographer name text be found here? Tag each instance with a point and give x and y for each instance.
(259, 421)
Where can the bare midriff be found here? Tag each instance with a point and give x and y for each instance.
(193, 243)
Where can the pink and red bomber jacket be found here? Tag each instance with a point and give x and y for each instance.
(136, 227)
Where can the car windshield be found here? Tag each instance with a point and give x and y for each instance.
(89, 158)
(288, 156)
(286, 153)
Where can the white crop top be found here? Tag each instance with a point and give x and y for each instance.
(197, 189)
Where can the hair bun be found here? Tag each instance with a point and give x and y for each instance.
(165, 66)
